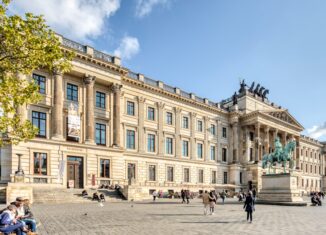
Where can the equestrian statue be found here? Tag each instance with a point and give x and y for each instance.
(280, 155)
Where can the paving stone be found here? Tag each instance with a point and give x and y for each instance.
(169, 216)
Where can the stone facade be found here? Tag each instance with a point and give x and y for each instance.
(134, 130)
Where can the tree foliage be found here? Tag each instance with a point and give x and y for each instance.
(27, 44)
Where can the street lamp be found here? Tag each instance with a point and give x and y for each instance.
(20, 171)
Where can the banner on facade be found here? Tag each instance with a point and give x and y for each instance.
(1, 111)
(73, 121)
(62, 164)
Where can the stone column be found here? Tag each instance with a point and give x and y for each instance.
(116, 89)
(90, 130)
(219, 136)
(57, 110)
(235, 142)
(297, 153)
(178, 143)
(257, 142)
(283, 140)
(192, 134)
(266, 141)
(247, 141)
(141, 116)
(161, 141)
(207, 151)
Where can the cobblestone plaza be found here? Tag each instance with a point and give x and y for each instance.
(169, 216)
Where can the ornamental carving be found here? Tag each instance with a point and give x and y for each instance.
(282, 116)
(115, 88)
(89, 80)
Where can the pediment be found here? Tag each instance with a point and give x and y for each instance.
(284, 116)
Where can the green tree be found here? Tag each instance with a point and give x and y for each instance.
(27, 43)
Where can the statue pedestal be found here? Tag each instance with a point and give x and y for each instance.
(280, 189)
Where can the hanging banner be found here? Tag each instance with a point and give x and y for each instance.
(73, 121)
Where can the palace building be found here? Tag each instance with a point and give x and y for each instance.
(104, 124)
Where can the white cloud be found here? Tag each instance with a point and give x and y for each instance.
(129, 46)
(76, 19)
(144, 7)
(317, 131)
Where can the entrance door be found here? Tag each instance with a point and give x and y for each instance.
(75, 172)
(131, 172)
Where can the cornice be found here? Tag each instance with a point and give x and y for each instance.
(93, 61)
(176, 96)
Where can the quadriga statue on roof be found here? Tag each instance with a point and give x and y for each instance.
(280, 155)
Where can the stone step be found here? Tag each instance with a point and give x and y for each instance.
(42, 195)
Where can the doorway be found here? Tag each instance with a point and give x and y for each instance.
(131, 172)
(74, 172)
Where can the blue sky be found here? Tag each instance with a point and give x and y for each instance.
(205, 46)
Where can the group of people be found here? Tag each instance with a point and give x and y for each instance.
(210, 199)
(17, 218)
(185, 195)
(316, 198)
(242, 195)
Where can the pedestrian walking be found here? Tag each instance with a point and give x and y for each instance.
(154, 195)
(212, 201)
(223, 196)
(183, 196)
(187, 195)
(249, 206)
(206, 202)
(254, 194)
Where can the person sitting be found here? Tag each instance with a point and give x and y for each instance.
(314, 200)
(9, 224)
(24, 214)
(84, 193)
(102, 197)
(95, 197)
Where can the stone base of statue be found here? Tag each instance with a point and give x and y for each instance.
(280, 189)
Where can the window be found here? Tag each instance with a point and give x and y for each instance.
(240, 177)
(152, 173)
(200, 150)
(225, 177)
(105, 168)
(224, 154)
(199, 126)
(39, 121)
(72, 92)
(130, 139)
(40, 164)
(251, 154)
(186, 175)
(213, 152)
(169, 145)
(185, 147)
(224, 132)
(185, 122)
(40, 82)
(150, 143)
(169, 120)
(251, 136)
(213, 129)
(200, 176)
(100, 134)
(170, 176)
(151, 114)
(214, 177)
(100, 100)
(130, 108)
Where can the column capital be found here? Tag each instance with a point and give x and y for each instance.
(193, 114)
(115, 88)
(267, 129)
(141, 99)
(160, 105)
(257, 125)
(57, 71)
(177, 109)
(89, 80)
